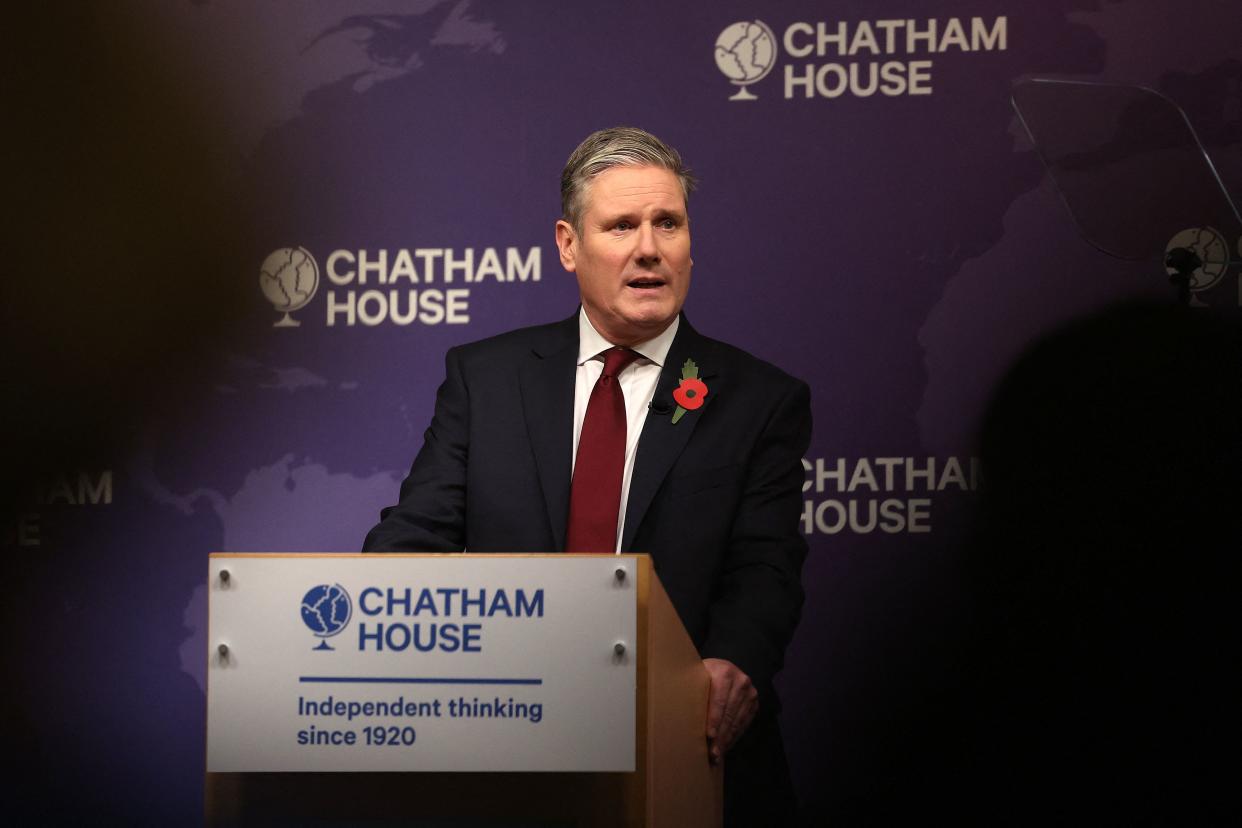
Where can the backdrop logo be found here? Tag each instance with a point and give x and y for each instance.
(746, 53)
(1212, 257)
(326, 610)
(830, 59)
(289, 278)
(394, 286)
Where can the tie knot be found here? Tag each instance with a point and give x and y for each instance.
(616, 359)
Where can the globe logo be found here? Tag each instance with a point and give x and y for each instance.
(745, 53)
(325, 610)
(289, 278)
(1211, 248)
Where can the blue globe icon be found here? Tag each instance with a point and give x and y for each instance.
(325, 610)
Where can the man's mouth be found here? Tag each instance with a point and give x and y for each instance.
(646, 283)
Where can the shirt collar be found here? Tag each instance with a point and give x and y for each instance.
(591, 343)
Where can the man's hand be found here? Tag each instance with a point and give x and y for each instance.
(731, 705)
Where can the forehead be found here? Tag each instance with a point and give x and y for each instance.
(635, 188)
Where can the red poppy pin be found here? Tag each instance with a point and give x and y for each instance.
(692, 391)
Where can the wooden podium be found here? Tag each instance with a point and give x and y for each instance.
(673, 783)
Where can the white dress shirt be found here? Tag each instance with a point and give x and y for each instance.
(638, 383)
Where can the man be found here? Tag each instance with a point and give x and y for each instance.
(623, 429)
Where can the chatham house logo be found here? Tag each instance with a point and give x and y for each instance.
(746, 53)
(326, 610)
(289, 278)
(1212, 250)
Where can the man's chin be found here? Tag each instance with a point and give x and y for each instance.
(633, 323)
(648, 328)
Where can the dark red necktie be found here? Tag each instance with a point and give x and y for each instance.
(595, 497)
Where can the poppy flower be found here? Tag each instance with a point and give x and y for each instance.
(690, 393)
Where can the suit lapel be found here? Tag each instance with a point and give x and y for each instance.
(662, 442)
(547, 386)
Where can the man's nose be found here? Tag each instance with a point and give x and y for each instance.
(647, 250)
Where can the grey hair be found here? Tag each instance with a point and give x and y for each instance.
(615, 147)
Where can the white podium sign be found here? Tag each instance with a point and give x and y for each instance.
(421, 663)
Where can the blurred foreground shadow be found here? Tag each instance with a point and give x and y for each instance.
(1098, 682)
(126, 237)
(1105, 573)
(126, 234)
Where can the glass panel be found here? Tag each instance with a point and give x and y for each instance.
(1131, 170)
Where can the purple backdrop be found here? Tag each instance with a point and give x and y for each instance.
(894, 250)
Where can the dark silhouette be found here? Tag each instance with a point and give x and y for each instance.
(1106, 578)
(1091, 680)
(126, 262)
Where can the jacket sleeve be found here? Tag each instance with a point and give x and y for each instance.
(759, 598)
(431, 513)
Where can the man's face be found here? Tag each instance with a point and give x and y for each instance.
(632, 258)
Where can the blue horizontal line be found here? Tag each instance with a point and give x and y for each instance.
(387, 680)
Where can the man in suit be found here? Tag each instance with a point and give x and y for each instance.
(622, 429)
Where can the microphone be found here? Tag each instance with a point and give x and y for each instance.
(1181, 263)
(661, 407)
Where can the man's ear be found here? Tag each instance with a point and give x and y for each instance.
(567, 245)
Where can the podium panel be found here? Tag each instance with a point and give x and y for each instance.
(372, 663)
(296, 642)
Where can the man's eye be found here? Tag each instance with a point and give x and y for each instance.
(668, 224)
(622, 225)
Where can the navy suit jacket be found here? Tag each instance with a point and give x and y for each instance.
(714, 499)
